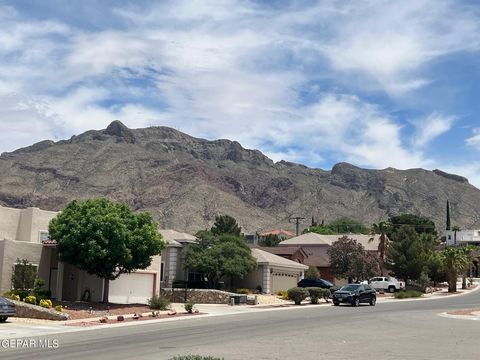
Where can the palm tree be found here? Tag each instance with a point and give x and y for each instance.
(382, 228)
(456, 261)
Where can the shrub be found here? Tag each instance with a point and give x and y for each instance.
(21, 293)
(244, 291)
(59, 308)
(10, 295)
(326, 294)
(31, 300)
(158, 303)
(189, 306)
(283, 294)
(195, 357)
(407, 294)
(315, 294)
(297, 294)
(46, 303)
(333, 289)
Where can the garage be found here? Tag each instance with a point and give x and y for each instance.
(282, 280)
(134, 288)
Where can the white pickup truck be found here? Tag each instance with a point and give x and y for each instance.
(389, 284)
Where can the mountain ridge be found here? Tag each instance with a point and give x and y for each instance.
(185, 181)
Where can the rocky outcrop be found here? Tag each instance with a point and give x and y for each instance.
(185, 181)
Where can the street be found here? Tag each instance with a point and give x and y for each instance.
(396, 330)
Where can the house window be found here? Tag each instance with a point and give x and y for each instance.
(43, 236)
(195, 276)
(162, 266)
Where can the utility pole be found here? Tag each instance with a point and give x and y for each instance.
(297, 220)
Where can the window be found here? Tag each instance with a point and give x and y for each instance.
(162, 266)
(43, 236)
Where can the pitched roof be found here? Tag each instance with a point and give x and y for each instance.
(314, 239)
(176, 238)
(264, 257)
(278, 232)
(280, 250)
(317, 260)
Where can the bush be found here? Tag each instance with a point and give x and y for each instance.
(407, 294)
(59, 308)
(195, 357)
(244, 291)
(10, 295)
(283, 294)
(297, 294)
(315, 294)
(333, 289)
(158, 303)
(189, 306)
(46, 303)
(22, 294)
(31, 300)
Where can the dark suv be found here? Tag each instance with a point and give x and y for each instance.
(324, 284)
(354, 294)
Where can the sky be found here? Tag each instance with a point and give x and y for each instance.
(374, 83)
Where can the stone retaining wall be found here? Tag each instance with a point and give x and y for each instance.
(24, 310)
(198, 296)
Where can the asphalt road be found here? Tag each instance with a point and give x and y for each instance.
(396, 330)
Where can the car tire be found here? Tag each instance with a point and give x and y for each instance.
(3, 318)
(356, 302)
(373, 301)
(336, 303)
(391, 289)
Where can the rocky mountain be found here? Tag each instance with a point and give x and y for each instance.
(184, 181)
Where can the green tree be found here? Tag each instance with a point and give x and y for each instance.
(319, 229)
(219, 256)
(24, 275)
(382, 228)
(419, 223)
(348, 259)
(105, 239)
(455, 261)
(346, 226)
(225, 224)
(435, 268)
(312, 273)
(406, 256)
(270, 240)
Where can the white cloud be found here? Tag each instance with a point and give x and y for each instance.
(429, 128)
(475, 139)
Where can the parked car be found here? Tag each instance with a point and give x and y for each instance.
(7, 308)
(324, 284)
(354, 294)
(389, 284)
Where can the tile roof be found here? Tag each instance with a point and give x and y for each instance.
(327, 240)
(176, 238)
(280, 250)
(267, 258)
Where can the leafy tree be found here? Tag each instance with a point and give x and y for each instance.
(319, 229)
(312, 273)
(105, 239)
(406, 256)
(382, 228)
(24, 275)
(225, 224)
(455, 261)
(219, 256)
(346, 226)
(419, 223)
(348, 259)
(435, 268)
(270, 240)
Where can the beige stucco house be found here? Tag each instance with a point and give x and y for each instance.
(24, 235)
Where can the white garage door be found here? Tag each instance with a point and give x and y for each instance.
(135, 288)
(283, 281)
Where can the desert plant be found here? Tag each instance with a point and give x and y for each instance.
(11, 296)
(31, 300)
(244, 291)
(158, 303)
(283, 294)
(46, 303)
(189, 307)
(315, 294)
(298, 294)
(408, 294)
(59, 308)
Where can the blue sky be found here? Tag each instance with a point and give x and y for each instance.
(374, 83)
